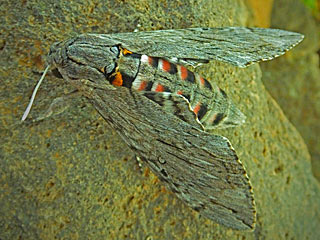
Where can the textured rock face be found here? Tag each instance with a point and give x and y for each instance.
(70, 176)
(294, 81)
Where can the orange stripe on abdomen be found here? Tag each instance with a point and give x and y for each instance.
(197, 108)
(183, 72)
(186, 75)
(201, 81)
(166, 66)
(142, 85)
(159, 88)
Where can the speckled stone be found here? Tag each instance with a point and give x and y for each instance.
(294, 81)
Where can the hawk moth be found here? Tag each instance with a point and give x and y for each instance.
(140, 85)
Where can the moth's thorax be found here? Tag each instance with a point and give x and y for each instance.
(80, 58)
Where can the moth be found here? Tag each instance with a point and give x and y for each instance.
(141, 84)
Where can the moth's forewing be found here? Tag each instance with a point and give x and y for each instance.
(239, 46)
(200, 168)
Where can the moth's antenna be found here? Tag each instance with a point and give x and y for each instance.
(26, 112)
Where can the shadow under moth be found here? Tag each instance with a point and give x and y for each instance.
(140, 85)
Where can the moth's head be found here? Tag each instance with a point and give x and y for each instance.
(83, 58)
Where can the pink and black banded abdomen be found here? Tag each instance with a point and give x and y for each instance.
(163, 82)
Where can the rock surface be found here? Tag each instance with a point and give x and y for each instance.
(294, 81)
(72, 177)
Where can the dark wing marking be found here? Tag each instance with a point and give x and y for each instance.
(202, 169)
(175, 104)
(239, 46)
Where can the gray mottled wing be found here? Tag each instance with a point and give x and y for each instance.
(200, 168)
(239, 46)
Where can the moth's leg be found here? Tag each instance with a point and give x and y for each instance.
(58, 105)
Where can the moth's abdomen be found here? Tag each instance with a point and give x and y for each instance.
(205, 102)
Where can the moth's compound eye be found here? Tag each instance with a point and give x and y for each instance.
(115, 50)
(110, 68)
